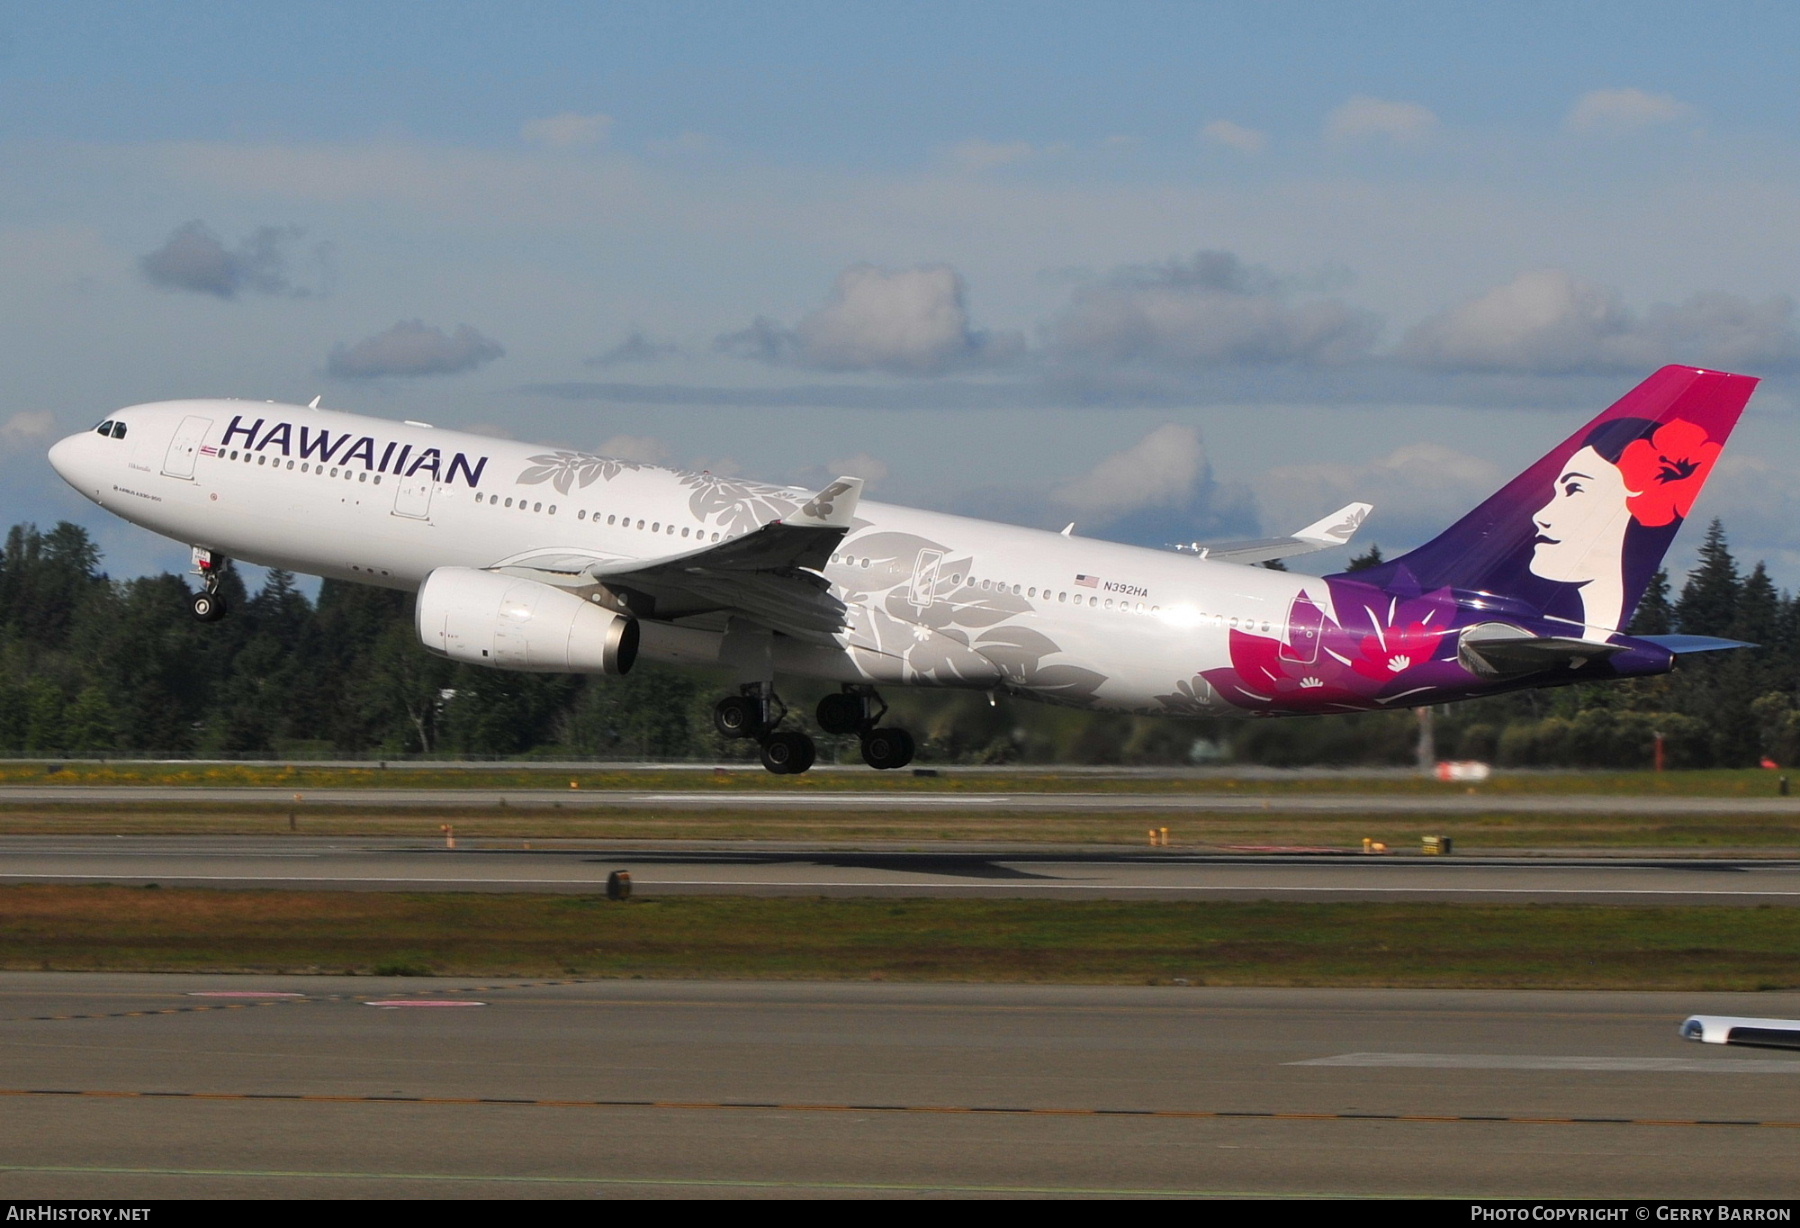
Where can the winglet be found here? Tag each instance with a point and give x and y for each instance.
(831, 508)
(1337, 528)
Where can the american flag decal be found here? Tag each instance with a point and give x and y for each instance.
(209, 450)
(1087, 581)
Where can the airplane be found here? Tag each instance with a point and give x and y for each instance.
(557, 560)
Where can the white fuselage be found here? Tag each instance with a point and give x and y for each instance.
(932, 599)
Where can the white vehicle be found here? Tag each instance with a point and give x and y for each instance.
(561, 561)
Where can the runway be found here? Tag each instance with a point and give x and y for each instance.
(806, 798)
(761, 868)
(130, 1086)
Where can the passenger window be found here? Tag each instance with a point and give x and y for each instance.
(537, 507)
(262, 460)
(509, 502)
(611, 519)
(684, 532)
(362, 477)
(581, 515)
(553, 509)
(715, 537)
(1062, 596)
(640, 524)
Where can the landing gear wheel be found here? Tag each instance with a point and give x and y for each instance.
(884, 749)
(737, 716)
(840, 714)
(206, 607)
(787, 754)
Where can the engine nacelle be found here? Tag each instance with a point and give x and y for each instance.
(486, 618)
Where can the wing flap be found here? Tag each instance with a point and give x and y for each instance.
(770, 576)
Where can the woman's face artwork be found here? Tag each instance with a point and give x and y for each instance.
(1586, 510)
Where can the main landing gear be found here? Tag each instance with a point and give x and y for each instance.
(858, 710)
(753, 713)
(756, 711)
(207, 605)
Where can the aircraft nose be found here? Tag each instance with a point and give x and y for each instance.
(62, 457)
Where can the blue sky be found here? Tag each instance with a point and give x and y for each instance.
(1168, 270)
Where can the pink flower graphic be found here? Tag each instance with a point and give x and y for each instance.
(1394, 650)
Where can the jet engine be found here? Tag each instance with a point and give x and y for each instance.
(485, 618)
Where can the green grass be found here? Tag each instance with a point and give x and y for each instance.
(1709, 783)
(1443, 945)
(1193, 828)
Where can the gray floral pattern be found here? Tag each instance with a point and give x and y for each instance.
(734, 505)
(566, 469)
(958, 633)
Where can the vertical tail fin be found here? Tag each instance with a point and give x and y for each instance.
(1580, 534)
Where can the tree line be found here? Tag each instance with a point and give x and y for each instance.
(90, 665)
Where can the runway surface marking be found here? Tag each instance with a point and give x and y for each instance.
(720, 1183)
(776, 1106)
(1007, 885)
(1526, 1061)
(285, 1000)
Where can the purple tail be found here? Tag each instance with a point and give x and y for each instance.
(1579, 535)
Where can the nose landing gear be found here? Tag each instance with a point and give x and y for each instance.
(858, 710)
(754, 713)
(207, 605)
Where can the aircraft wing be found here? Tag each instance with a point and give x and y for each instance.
(770, 576)
(1334, 530)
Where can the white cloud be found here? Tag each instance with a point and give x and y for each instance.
(566, 131)
(1363, 119)
(1547, 322)
(1166, 468)
(1599, 111)
(1234, 136)
(1208, 310)
(411, 348)
(1418, 490)
(635, 348)
(28, 429)
(196, 260)
(861, 465)
(643, 448)
(978, 155)
(907, 321)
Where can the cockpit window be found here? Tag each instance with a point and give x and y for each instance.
(105, 428)
(118, 430)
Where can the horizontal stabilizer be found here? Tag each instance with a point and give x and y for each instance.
(1498, 650)
(1737, 1030)
(1681, 645)
(1334, 530)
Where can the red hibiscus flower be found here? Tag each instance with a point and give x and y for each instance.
(1397, 649)
(1667, 471)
